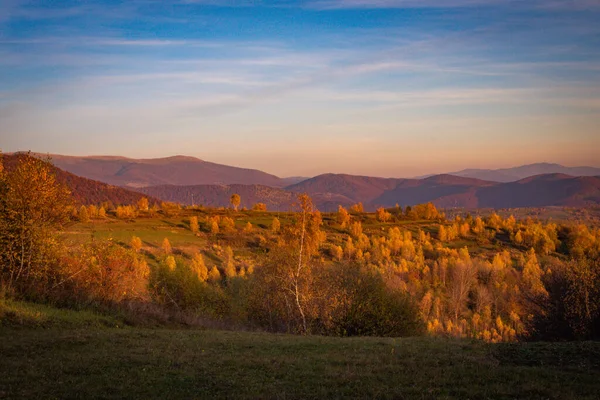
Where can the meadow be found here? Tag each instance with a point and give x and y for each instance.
(50, 353)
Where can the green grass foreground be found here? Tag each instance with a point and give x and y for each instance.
(48, 353)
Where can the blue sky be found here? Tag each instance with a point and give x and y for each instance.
(382, 87)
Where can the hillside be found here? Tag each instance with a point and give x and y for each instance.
(219, 195)
(88, 191)
(352, 188)
(74, 354)
(525, 171)
(178, 170)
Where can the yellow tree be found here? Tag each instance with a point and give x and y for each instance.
(136, 243)
(382, 215)
(142, 204)
(194, 224)
(228, 263)
(33, 205)
(166, 246)
(214, 275)
(84, 216)
(442, 236)
(199, 268)
(235, 201)
(285, 282)
(259, 207)
(343, 217)
(275, 225)
(357, 208)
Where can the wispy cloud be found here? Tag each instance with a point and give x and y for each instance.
(372, 4)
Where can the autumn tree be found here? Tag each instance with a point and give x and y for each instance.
(235, 201)
(194, 227)
(357, 208)
(259, 207)
(199, 268)
(343, 217)
(214, 275)
(275, 225)
(288, 275)
(228, 263)
(166, 246)
(33, 205)
(214, 226)
(136, 243)
(382, 215)
(442, 236)
(142, 204)
(83, 215)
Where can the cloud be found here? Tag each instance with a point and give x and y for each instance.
(528, 4)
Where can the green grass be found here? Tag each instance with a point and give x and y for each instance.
(78, 359)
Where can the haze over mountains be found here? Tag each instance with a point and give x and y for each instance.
(188, 180)
(525, 171)
(176, 170)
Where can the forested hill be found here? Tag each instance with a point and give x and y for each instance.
(87, 191)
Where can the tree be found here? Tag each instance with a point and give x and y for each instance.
(214, 227)
(33, 205)
(343, 217)
(194, 224)
(214, 275)
(228, 263)
(357, 208)
(259, 207)
(101, 213)
(83, 214)
(136, 243)
(382, 215)
(532, 275)
(284, 284)
(199, 268)
(442, 236)
(235, 201)
(275, 225)
(356, 229)
(166, 246)
(142, 204)
(248, 228)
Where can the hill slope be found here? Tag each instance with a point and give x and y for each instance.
(178, 170)
(87, 191)
(219, 195)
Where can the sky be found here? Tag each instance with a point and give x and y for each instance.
(393, 88)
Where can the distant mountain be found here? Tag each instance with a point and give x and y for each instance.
(87, 191)
(218, 195)
(543, 190)
(329, 191)
(292, 180)
(525, 171)
(451, 191)
(351, 188)
(177, 170)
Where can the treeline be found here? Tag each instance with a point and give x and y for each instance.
(392, 273)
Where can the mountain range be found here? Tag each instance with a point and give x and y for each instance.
(188, 180)
(176, 170)
(525, 171)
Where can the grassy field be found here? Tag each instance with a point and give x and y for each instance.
(48, 353)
